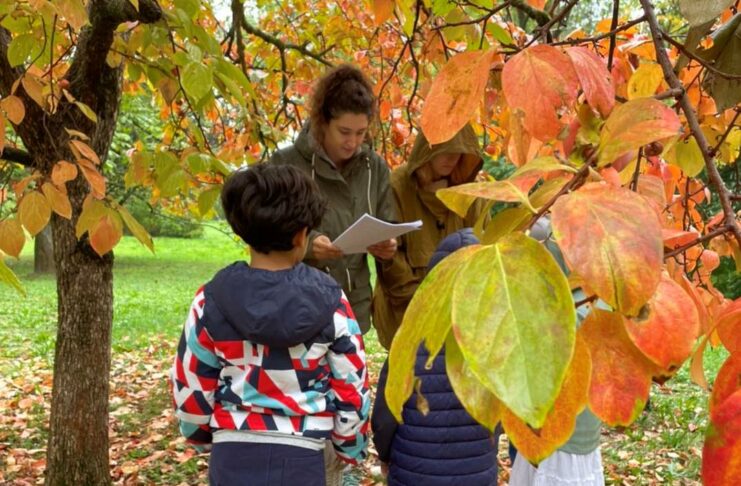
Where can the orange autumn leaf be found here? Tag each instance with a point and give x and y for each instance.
(94, 178)
(728, 323)
(456, 94)
(63, 172)
(538, 81)
(621, 375)
(104, 235)
(561, 420)
(58, 201)
(13, 108)
(619, 258)
(666, 329)
(382, 10)
(594, 78)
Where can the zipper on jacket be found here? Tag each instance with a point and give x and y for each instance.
(349, 281)
(368, 193)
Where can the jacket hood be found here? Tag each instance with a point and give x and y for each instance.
(276, 308)
(464, 142)
(452, 243)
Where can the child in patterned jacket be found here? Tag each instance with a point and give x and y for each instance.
(271, 361)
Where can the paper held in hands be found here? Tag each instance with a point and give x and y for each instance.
(367, 231)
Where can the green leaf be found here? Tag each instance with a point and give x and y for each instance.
(725, 55)
(428, 318)
(698, 12)
(207, 199)
(687, 155)
(499, 33)
(542, 165)
(197, 80)
(232, 89)
(518, 349)
(136, 228)
(8, 277)
(505, 222)
(190, 7)
(480, 403)
(515, 189)
(87, 111)
(21, 48)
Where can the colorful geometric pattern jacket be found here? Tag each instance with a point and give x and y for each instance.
(273, 351)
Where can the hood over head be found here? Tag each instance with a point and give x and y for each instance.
(276, 308)
(464, 142)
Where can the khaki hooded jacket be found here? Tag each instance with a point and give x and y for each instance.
(399, 277)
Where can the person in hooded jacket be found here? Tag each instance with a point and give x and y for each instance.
(331, 149)
(430, 167)
(270, 364)
(446, 446)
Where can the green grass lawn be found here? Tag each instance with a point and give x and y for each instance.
(152, 293)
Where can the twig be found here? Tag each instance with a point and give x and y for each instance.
(597, 38)
(613, 25)
(713, 234)
(587, 300)
(637, 173)
(698, 59)
(670, 93)
(731, 126)
(671, 78)
(551, 22)
(575, 182)
(16, 155)
(478, 20)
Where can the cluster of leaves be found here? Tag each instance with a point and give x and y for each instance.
(609, 134)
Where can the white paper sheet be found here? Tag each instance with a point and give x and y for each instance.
(367, 231)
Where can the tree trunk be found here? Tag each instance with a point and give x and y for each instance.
(43, 252)
(78, 440)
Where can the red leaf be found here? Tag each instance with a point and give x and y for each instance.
(621, 375)
(726, 383)
(720, 455)
(538, 81)
(595, 80)
(667, 331)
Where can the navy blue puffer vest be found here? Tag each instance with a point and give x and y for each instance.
(446, 447)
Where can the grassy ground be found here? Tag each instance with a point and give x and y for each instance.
(152, 295)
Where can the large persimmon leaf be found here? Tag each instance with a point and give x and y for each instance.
(12, 238)
(561, 419)
(612, 238)
(460, 198)
(621, 375)
(594, 78)
(455, 95)
(721, 454)
(726, 383)
(479, 402)
(667, 327)
(728, 322)
(34, 212)
(538, 81)
(634, 124)
(428, 317)
(518, 350)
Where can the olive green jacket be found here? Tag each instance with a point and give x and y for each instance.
(399, 277)
(361, 186)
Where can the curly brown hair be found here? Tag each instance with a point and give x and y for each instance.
(343, 89)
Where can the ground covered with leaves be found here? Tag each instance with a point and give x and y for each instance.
(152, 294)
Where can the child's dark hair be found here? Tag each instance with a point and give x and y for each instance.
(266, 205)
(344, 89)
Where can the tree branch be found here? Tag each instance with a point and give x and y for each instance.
(282, 46)
(541, 17)
(674, 83)
(596, 38)
(698, 59)
(552, 22)
(681, 249)
(611, 52)
(16, 155)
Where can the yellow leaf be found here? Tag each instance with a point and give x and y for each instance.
(62, 172)
(136, 228)
(76, 133)
(87, 111)
(12, 238)
(687, 155)
(58, 200)
(73, 11)
(7, 276)
(13, 108)
(645, 81)
(104, 235)
(34, 89)
(92, 211)
(34, 211)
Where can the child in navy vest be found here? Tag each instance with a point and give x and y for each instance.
(446, 447)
